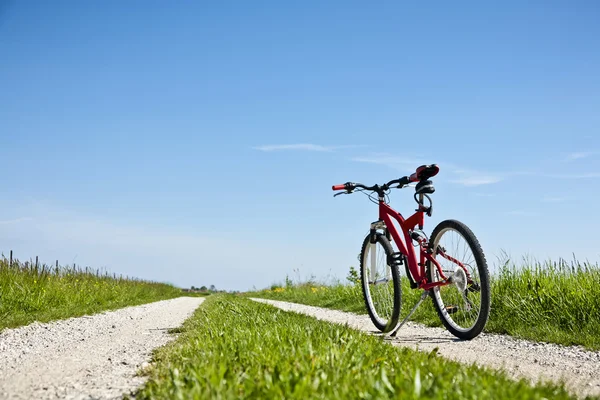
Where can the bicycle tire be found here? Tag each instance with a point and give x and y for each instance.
(385, 323)
(453, 293)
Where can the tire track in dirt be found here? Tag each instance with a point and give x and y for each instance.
(90, 357)
(579, 369)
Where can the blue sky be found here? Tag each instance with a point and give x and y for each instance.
(197, 143)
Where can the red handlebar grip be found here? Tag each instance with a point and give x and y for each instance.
(338, 187)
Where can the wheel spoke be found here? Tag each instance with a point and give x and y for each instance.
(461, 302)
(379, 285)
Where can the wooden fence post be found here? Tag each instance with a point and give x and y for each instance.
(10, 262)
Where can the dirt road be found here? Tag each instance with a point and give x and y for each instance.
(97, 357)
(93, 357)
(520, 358)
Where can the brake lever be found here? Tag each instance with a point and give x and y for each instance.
(337, 194)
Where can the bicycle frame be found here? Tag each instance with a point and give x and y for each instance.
(425, 261)
(417, 269)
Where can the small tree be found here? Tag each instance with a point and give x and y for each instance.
(203, 288)
(213, 288)
(353, 276)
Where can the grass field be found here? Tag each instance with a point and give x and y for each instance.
(234, 348)
(29, 294)
(556, 302)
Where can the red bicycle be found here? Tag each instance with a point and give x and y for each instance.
(450, 267)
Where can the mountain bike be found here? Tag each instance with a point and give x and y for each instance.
(450, 266)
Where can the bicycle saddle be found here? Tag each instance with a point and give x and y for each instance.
(425, 172)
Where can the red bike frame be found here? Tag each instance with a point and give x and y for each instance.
(417, 269)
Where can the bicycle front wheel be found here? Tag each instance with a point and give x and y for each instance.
(380, 282)
(464, 305)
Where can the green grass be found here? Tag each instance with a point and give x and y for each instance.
(551, 302)
(234, 348)
(29, 294)
(554, 302)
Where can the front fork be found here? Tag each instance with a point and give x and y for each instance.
(394, 259)
(375, 226)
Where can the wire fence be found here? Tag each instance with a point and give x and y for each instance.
(56, 268)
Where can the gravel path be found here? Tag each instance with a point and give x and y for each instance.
(91, 357)
(579, 368)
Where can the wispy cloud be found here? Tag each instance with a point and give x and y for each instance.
(580, 155)
(302, 147)
(15, 221)
(477, 180)
(585, 175)
(458, 174)
(405, 164)
(140, 251)
(470, 177)
(550, 199)
(521, 213)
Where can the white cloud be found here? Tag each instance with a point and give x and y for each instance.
(469, 177)
(580, 155)
(408, 165)
(395, 162)
(299, 146)
(302, 147)
(15, 221)
(477, 180)
(163, 254)
(588, 175)
(550, 199)
(521, 213)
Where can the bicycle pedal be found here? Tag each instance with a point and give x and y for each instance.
(451, 309)
(474, 288)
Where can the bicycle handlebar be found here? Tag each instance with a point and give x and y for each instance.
(349, 186)
(422, 173)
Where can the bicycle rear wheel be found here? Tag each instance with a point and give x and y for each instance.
(381, 284)
(464, 305)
